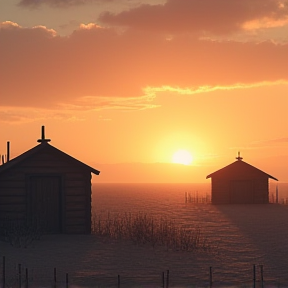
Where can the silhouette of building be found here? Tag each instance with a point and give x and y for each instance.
(240, 183)
(48, 188)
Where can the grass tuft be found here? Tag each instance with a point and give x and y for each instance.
(142, 228)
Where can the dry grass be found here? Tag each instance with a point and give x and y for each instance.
(20, 233)
(142, 228)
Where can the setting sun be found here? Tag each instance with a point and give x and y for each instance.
(182, 157)
(122, 120)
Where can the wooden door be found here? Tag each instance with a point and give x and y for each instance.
(45, 202)
(241, 192)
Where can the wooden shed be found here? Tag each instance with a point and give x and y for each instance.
(46, 186)
(240, 183)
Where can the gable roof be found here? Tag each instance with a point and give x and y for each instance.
(39, 148)
(238, 167)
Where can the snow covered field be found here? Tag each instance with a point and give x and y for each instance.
(240, 236)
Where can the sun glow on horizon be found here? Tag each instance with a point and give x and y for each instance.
(183, 157)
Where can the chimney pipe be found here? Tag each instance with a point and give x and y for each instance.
(8, 151)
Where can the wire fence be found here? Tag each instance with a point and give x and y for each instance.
(21, 277)
(201, 198)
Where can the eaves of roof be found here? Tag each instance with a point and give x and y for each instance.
(232, 165)
(29, 153)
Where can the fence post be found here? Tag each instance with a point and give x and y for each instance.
(167, 279)
(67, 280)
(54, 276)
(262, 277)
(163, 279)
(26, 278)
(19, 275)
(254, 276)
(118, 281)
(4, 273)
(210, 276)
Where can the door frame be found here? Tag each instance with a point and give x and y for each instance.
(61, 196)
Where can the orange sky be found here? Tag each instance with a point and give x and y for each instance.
(122, 85)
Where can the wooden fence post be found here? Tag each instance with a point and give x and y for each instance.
(67, 280)
(118, 281)
(55, 277)
(4, 272)
(210, 276)
(26, 278)
(19, 275)
(254, 276)
(262, 277)
(167, 279)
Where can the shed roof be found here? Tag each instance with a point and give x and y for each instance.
(44, 146)
(238, 167)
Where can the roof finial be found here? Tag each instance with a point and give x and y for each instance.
(239, 158)
(43, 140)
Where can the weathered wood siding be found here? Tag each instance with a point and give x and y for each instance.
(222, 189)
(75, 190)
(261, 190)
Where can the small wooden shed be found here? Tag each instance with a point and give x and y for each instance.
(46, 186)
(240, 183)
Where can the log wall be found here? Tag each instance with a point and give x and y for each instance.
(75, 190)
(221, 190)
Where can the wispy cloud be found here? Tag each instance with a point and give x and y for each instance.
(115, 103)
(97, 67)
(74, 112)
(16, 116)
(152, 91)
(72, 3)
(216, 17)
(270, 142)
(264, 144)
(20, 116)
(57, 3)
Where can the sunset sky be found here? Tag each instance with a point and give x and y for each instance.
(122, 85)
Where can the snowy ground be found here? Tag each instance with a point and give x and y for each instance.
(241, 235)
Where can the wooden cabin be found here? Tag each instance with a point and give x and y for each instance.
(46, 186)
(240, 183)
